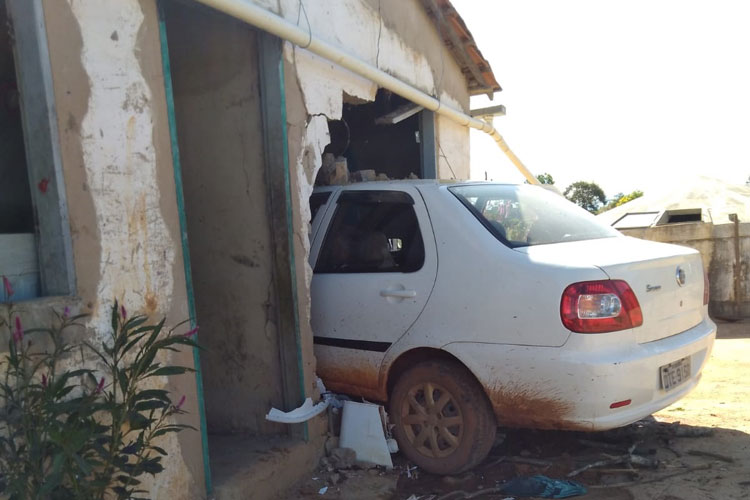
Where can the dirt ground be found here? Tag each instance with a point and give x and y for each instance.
(698, 448)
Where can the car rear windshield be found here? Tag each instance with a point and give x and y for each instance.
(521, 216)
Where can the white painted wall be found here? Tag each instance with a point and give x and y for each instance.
(117, 138)
(137, 251)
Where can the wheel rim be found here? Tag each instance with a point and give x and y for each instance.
(432, 421)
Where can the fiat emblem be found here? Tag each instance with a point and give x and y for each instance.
(680, 276)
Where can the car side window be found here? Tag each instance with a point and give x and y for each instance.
(372, 232)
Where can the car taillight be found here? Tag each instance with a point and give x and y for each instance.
(599, 307)
(706, 288)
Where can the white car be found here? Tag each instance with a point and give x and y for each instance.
(469, 306)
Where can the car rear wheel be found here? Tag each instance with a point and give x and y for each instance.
(443, 420)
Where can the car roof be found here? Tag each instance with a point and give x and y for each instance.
(421, 183)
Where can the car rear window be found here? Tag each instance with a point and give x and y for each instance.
(523, 215)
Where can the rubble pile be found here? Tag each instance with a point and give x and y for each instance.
(335, 172)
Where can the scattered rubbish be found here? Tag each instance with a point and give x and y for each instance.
(409, 470)
(682, 431)
(322, 491)
(630, 458)
(298, 415)
(464, 495)
(392, 445)
(699, 453)
(518, 460)
(653, 479)
(305, 412)
(362, 431)
(543, 486)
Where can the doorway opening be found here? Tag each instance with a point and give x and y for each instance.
(241, 303)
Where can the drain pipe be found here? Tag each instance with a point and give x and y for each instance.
(249, 12)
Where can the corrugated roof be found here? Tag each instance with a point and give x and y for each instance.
(457, 37)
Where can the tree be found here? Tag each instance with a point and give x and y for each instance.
(587, 195)
(621, 199)
(545, 178)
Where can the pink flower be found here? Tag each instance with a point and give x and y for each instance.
(18, 331)
(99, 386)
(191, 332)
(180, 402)
(8, 289)
(66, 312)
(44, 380)
(123, 312)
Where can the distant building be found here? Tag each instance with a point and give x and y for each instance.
(709, 215)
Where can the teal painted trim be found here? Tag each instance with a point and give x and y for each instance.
(184, 237)
(290, 222)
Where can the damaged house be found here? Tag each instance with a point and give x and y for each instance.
(163, 153)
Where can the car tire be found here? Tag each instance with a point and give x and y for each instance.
(449, 432)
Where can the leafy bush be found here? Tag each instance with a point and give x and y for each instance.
(84, 433)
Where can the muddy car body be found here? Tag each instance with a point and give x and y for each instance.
(468, 306)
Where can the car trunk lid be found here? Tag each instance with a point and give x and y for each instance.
(666, 279)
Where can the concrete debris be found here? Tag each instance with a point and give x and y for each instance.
(342, 458)
(363, 176)
(333, 172)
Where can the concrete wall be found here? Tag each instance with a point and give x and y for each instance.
(717, 246)
(119, 182)
(218, 111)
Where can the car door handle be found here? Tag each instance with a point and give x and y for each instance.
(401, 294)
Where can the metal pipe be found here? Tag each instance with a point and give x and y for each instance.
(247, 11)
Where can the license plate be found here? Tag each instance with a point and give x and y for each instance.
(675, 373)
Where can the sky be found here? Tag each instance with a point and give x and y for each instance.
(630, 95)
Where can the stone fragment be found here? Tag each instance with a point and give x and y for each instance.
(342, 458)
(363, 175)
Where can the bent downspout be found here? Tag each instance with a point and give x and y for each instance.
(247, 11)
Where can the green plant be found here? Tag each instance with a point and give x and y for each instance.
(85, 433)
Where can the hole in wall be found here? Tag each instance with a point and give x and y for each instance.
(375, 140)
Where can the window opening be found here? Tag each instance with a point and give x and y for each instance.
(18, 260)
(372, 234)
(682, 215)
